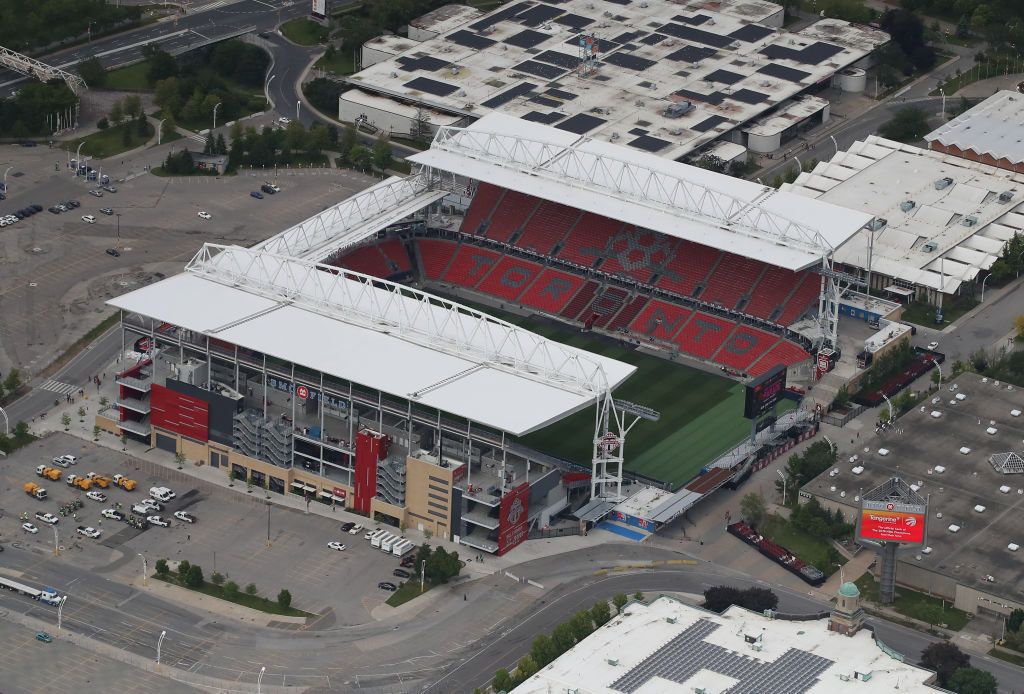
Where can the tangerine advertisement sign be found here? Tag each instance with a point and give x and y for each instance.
(892, 526)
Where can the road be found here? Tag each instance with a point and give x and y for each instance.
(200, 27)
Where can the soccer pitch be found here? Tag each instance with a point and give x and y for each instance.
(701, 413)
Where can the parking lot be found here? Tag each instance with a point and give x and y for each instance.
(54, 272)
(230, 535)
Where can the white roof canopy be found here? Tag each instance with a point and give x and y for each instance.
(683, 201)
(384, 336)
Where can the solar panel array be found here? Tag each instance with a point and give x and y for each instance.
(794, 672)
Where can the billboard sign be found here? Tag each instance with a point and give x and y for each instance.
(764, 392)
(319, 9)
(513, 518)
(892, 522)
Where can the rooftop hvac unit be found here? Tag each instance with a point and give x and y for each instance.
(877, 224)
(678, 109)
(926, 550)
(930, 246)
(1013, 546)
(614, 137)
(907, 205)
(1006, 196)
(943, 183)
(969, 221)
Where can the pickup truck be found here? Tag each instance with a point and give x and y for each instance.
(89, 532)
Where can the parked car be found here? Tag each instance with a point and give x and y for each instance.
(401, 573)
(89, 532)
(336, 545)
(185, 516)
(284, 120)
(47, 517)
(29, 528)
(345, 527)
(159, 520)
(73, 204)
(203, 214)
(110, 189)
(114, 252)
(112, 514)
(256, 194)
(932, 346)
(44, 637)
(142, 509)
(55, 210)
(96, 193)
(354, 530)
(106, 210)
(88, 219)
(407, 561)
(97, 496)
(388, 586)
(65, 460)
(266, 188)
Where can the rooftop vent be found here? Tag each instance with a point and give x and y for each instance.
(979, 509)
(929, 246)
(1013, 546)
(678, 109)
(943, 183)
(1006, 196)
(877, 224)
(969, 221)
(907, 205)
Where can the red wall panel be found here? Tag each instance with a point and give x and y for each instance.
(513, 518)
(179, 413)
(371, 447)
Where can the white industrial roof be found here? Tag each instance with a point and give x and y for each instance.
(390, 338)
(730, 61)
(877, 176)
(643, 648)
(994, 127)
(676, 199)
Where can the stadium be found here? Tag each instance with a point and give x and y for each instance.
(441, 350)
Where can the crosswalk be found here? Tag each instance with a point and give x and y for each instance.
(58, 387)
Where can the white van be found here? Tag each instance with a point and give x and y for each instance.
(403, 548)
(379, 540)
(389, 543)
(161, 494)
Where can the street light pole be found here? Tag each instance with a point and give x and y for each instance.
(939, 369)
(56, 542)
(160, 643)
(7, 423)
(983, 286)
(5, 178)
(160, 130)
(117, 243)
(268, 524)
(78, 156)
(259, 680)
(145, 572)
(60, 612)
(216, 106)
(783, 477)
(423, 573)
(297, 105)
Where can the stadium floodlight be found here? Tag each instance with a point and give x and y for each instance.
(641, 411)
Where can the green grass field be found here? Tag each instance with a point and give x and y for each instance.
(701, 413)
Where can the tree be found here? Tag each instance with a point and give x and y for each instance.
(638, 595)
(526, 669)
(502, 681)
(116, 114)
(600, 613)
(231, 588)
(220, 147)
(361, 157)
(383, 157)
(161, 568)
(103, 123)
(842, 399)
(619, 600)
(126, 135)
(21, 429)
(718, 598)
(944, 659)
(543, 650)
(161, 66)
(582, 625)
(251, 589)
(711, 163)
(760, 599)
(1018, 324)
(13, 381)
(65, 419)
(284, 599)
(971, 680)
(183, 566)
(167, 95)
(91, 70)
(142, 125)
(1015, 620)
(210, 144)
(96, 432)
(909, 124)
(194, 577)
(420, 130)
(217, 578)
(752, 508)
(563, 638)
(132, 105)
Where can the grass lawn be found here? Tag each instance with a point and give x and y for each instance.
(342, 63)
(406, 592)
(1008, 657)
(924, 314)
(810, 549)
(130, 78)
(915, 605)
(701, 413)
(244, 599)
(107, 143)
(9, 444)
(304, 32)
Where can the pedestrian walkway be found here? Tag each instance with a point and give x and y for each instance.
(58, 387)
(851, 571)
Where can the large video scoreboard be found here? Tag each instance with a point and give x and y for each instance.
(764, 392)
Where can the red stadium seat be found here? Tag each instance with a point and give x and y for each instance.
(605, 306)
(509, 278)
(744, 346)
(471, 264)
(785, 352)
(805, 296)
(588, 239)
(435, 254)
(367, 260)
(688, 268)
(638, 253)
(480, 208)
(771, 292)
(660, 320)
(731, 280)
(396, 256)
(551, 291)
(703, 334)
(626, 315)
(580, 301)
(510, 215)
(548, 225)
